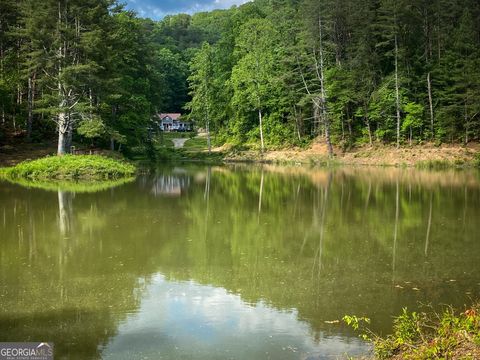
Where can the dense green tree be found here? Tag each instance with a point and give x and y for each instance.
(252, 75)
(201, 83)
(279, 71)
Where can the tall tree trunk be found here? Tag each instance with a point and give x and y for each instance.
(316, 117)
(343, 129)
(326, 120)
(350, 131)
(466, 122)
(62, 131)
(90, 100)
(367, 120)
(397, 91)
(430, 103)
(328, 140)
(62, 119)
(69, 135)
(209, 143)
(297, 123)
(31, 99)
(260, 120)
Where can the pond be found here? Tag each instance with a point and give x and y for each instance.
(240, 262)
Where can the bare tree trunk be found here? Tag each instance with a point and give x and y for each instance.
(350, 131)
(326, 120)
(316, 117)
(90, 100)
(397, 91)
(261, 129)
(69, 135)
(327, 137)
(430, 103)
(367, 120)
(209, 142)
(62, 117)
(30, 108)
(62, 132)
(343, 130)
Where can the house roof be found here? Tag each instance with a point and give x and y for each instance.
(173, 116)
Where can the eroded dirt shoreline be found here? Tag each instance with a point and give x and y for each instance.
(366, 155)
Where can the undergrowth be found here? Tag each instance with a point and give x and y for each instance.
(422, 336)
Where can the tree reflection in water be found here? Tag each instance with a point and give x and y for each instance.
(77, 266)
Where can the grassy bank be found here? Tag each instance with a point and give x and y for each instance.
(421, 336)
(70, 167)
(427, 156)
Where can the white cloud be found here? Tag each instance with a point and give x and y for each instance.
(189, 320)
(157, 9)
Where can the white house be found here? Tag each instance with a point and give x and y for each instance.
(173, 122)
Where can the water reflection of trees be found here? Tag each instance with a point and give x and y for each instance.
(323, 242)
(357, 238)
(53, 278)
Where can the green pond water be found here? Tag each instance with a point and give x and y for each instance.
(234, 262)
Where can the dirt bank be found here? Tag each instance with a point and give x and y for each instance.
(365, 155)
(12, 155)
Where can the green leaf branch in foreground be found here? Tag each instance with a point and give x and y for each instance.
(420, 335)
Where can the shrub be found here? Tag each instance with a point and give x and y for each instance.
(71, 167)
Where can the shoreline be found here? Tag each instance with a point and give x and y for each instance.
(427, 156)
(422, 156)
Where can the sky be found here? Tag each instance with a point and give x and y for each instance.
(157, 9)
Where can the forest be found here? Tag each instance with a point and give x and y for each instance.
(267, 74)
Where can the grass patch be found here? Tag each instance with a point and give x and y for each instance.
(196, 144)
(422, 336)
(165, 143)
(175, 135)
(434, 164)
(476, 160)
(70, 167)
